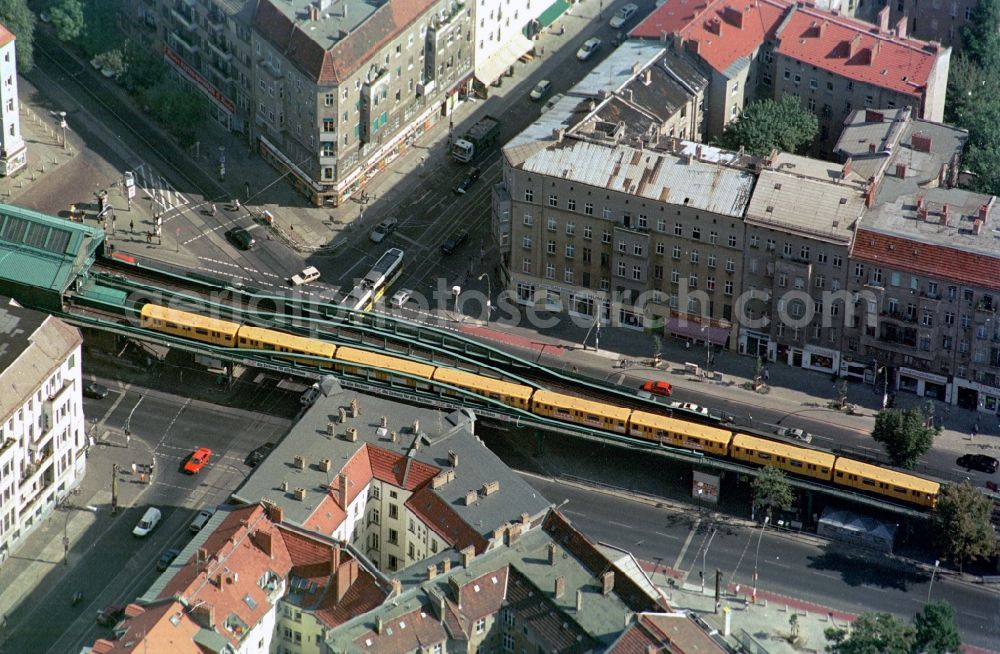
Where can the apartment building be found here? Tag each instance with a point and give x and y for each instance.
(13, 151)
(42, 440)
(926, 256)
(602, 213)
(833, 64)
(502, 35)
(328, 92)
(796, 261)
(414, 485)
(546, 589)
(935, 20)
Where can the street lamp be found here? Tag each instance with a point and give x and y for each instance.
(756, 556)
(489, 296)
(937, 562)
(62, 123)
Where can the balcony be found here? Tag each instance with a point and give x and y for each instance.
(179, 42)
(185, 18)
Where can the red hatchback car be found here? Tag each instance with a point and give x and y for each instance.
(658, 388)
(197, 460)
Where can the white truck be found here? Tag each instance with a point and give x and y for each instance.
(478, 137)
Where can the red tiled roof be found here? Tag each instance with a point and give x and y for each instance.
(485, 595)
(6, 36)
(151, 631)
(822, 40)
(334, 65)
(364, 595)
(720, 32)
(678, 633)
(399, 470)
(447, 524)
(926, 260)
(409, 632)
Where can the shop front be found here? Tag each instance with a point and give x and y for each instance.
(820, 359)
(924, 384)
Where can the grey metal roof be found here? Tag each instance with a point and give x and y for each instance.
(32, 345)
(658, 176)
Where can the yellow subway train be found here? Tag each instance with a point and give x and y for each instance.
(644, 425)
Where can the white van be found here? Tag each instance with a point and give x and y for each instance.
(149, 520)
(310, 274)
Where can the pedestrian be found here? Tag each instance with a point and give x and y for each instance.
(767, 375)
(131, 227)
(246, 186)
(236, 203)
(213, 208)
(423, 160)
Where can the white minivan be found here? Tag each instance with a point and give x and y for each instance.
(310, 274)
(148, 522)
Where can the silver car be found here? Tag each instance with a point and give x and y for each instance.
(623, 15)
(795, 434)
(383, 229)
(589, 47)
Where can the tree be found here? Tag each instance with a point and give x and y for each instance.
(980, 38)
(17, 18)
(771, 491)
(904, 434)
(962, 524)
(100, 32)
(67, 19)
(179, 109)
(936, 632)
(144, 67)
(765, 125)
(871, 633)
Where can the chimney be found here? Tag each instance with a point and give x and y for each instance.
(342, 490)
(846, 170)
(325, 464)
(870, 193)
(635, 68)
(579, 599)
(525, 520)
(944, 214)
(313, 12)
(300, 462)
(439, 480)
(335, 558)
(647, 76)
(379, 625)
(383, 422)
(872, 116)
(715, 26)
(921, 142)
(342, 414)
(984, 210)
(560, 587)
(470, 497)
(468, 553)
(852, 46)
(491, 487)
(203, 552)
(697, 152)
(204, 615)
(922, 213)
(352, 434)
(920, 202)
(876, 47)
(882, 20)
(393, 436)
(397, 587)
(347, 574)
(977, 226)
(432, 571)
(445, 566)
(820, 29)
(901, 170)
(901, 27)
(275, 513)
(300, 494)
(557, 134)
(415, 428)
(607, 582)
(552, 553)
(355, 408)
(871, 148)
(453, 458)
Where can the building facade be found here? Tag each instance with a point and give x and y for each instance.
(43, 446)
(935, 20)
(13, 151)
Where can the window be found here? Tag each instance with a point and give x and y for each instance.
(787, 74)
(838, 261)
(678, 229)
(730, 265)
(394, 511)
(553, 201)
(621, 268)
(932, 289)
(550, 271)
(710, 283)
(588, 232)
(607, 213)
(859, 270)
(526, 242)
(588, 209)
(621, 247)
(528, 220)
(728, 288)
(694, 256)
(529, 195)
(711, 261)
(676, 252)
(754, 241)
(526, 265)
(570, 250)
(508, 642)
(787, 249)
(660, 247)
(732, 240)
(693, 280)
(637, 273)
(782, 280)
(571, 204)
(696, 233)
(393, 537)
(551, 224)
(949, 318)
(798, 79)
(770, 245)
(658, 272)
(661, 225)
(550, 247)
(606, 236)
(643, 221)
(568, 275)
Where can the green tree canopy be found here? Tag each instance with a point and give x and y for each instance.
(17, 18)
(765, 125)
(67, 19)
(872, 633)
(179, 109)
(980, 38)
(771, 491)
(936, 632)
(962, 524)
(904, 435)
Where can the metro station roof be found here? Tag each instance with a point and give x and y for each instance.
(42, 251)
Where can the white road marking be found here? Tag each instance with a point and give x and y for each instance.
(687, 543)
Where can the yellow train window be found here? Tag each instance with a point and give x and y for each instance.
(763, 455)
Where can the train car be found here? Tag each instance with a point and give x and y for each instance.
(348, 355)
(897, 485)
(797, 460)
(257, 338)
(188, 325)
(583, 412)
(679, 433)
(511, 394)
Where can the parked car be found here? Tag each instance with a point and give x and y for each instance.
(201, 520)
(307, 275)
(111, 615)
(689, 406)
(454, 242)
(95, 391)
(148, 522)
(258, 454)
(541, 90)
(467, 181)
(310, 396)
(197, 461)
(980, 462)
(383, 229)
(589, 47)
(167, 558)
(623, 15)
(553, 101)
(794, 433)
(658, 388)
(241, 238)
(399, 298)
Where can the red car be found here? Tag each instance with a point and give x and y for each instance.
(197, 460)
(658, 388)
